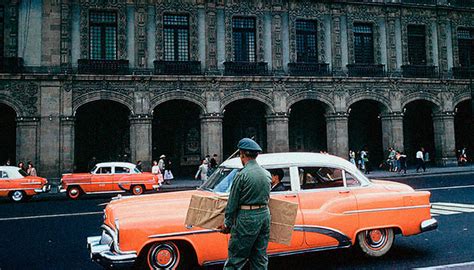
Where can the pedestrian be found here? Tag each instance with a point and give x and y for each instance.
(139, 166)
(21, 166)
(420, 160)
(91, 164)
(168, 175)
(363, 157)
(462, 160)
(202, 170)
(212, 165)
(155, 169)
(367, 164)
(161, 163)
(397, 161)
(391, 159)
(31, 171)
(352, 156)
(8, 162)
(247, 216)
(215, 157)
(403, 162)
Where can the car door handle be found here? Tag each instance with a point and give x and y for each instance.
(344, 191)
(290, 196)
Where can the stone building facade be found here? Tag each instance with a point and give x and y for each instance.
(57, 93)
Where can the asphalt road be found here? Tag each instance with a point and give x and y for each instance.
(29, 241)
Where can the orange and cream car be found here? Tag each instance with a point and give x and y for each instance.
(18, 185)
(109, 177)
(338, 208)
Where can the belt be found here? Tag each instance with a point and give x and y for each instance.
(252, 207)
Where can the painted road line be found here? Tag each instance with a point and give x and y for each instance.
(444, 212)
(52, 216)
(466, 265)
(441, 188)
(451, 208)
(460, 205)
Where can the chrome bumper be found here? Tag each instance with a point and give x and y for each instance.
(156, 187)
(428, 225)
(102, 255)
(44, 189)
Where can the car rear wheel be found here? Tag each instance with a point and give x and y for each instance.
(17, 196)
(166, 255)
(137, 190)
(376, 242)
(74, 192)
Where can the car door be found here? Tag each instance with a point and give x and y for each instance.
(4, 183)
(102, 179)
(326, 204)
(289, 195)
(121, 177)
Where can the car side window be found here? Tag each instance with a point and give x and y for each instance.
(123, 170)
(351, 181)
(3, 174)
(104, 170)
(320, 177)
(280, 179)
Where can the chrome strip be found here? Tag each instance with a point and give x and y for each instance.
(183, 233)
(115, 238)
(8, 189)
(104, 192)
(387, 209)
(336, 234)
(32, 183)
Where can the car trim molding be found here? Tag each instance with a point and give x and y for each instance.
(164, 235)
(388, 209)
(339, 236)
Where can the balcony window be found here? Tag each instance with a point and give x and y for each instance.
(466, 47)
(416, 44)
(176, 37)
(243, 33)
(363, 43)
(306, 41)
(103, 35)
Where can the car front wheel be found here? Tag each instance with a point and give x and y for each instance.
(166, 256)
(137, 190)
(74, 192)
(17, 196)
(376, 242)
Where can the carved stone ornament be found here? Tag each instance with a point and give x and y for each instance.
(25, 94)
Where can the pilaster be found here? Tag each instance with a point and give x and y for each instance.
(141, 139)
(27, 139)
(66, 144)
(445, 143)
(277, 132)
(338, 134)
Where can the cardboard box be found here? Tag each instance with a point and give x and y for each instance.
(208, 212)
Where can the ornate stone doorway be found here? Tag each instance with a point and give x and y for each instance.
(244, 118)
(365, 129)
(102, 130)
(176, 133)
(307, 126)
(7, 135)
(418, 129)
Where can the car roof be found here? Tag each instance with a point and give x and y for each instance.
(114, 164)
(12, 171)
(293, 159)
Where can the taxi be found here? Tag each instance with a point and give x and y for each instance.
(109, 177)
(19, 186)
(338, 207)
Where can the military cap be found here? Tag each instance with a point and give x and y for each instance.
(249, 145)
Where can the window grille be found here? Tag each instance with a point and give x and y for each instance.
(363, 43)
(176, 37)
(103, 35)
(306, 41)
(243, 32)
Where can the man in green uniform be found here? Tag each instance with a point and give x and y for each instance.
(247, 216)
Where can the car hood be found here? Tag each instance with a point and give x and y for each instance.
(171, 206)
(393, 186)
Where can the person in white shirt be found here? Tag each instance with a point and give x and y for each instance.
(420, 160)
(202, 171)
(155, 169)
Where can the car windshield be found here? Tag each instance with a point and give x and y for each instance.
(93, 169)
(220, 181)
(22, 172)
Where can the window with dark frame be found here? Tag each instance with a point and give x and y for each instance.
(363, 43)
(416, 35)
(103, 35)
(2, 30)
(466, 47)
(243, 33)
(306, 41)
(176, 37)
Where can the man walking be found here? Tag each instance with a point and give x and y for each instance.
(420, 160)
(247, 216)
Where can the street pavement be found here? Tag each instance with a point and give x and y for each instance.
(49, 232)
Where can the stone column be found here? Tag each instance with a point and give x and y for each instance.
(140, 139)
(445, 143)
(211, 134)
(277, 133)
(66, 145)
(27, 139)
(338, 134)
(392, 130)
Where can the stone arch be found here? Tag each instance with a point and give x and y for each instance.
(293, 99)
(422, 96)
(17, 107)
(178, 95)
(381, 100)
(248, 94)
(461, 98)
(102, 95)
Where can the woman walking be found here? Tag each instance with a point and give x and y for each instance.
(31, 171)
(202, 171)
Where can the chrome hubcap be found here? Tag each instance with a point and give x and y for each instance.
(164, 256)
(17, 195)
(376, 238)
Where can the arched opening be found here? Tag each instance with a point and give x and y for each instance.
(365, 129)
(7, 134)
(102, 131)
(307, 126)
(464, 126)
(418, 130)
(244, 118)
(177, 135)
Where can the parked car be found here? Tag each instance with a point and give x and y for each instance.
(109, 177)
(338, 208)
(19, 186)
